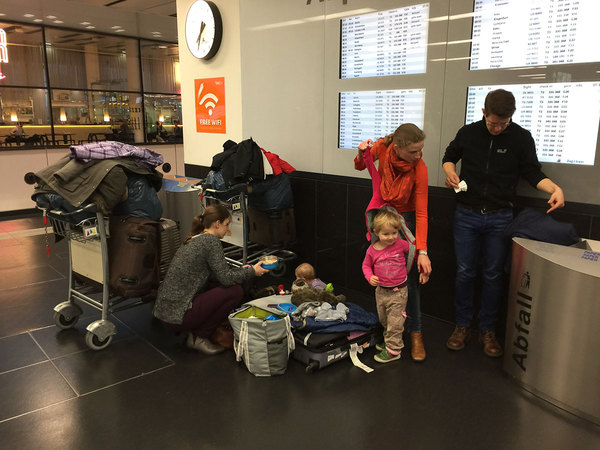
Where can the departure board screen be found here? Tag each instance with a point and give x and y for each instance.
(384, 43)
(373, 114)
(515, 33)
(562, 117)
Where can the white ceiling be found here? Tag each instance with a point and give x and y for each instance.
(158, 7)
(150, 19)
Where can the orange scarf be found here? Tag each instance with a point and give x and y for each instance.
(397, 177)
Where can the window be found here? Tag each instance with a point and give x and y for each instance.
(78, 60)
(160, 67)
(163, 118)
(93, 90)
(21, 55)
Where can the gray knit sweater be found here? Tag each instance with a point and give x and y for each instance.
(188, 274)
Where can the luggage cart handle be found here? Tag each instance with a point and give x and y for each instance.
(91, 208)
(235, 189)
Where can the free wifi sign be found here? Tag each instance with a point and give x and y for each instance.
(210, 105)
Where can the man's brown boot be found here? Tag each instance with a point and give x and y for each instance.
(417, 351)
(459, 337)
(491, 347)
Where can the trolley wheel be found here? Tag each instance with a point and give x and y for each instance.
(312, 366)
(279, 270)
(95, 343)
(65, 322)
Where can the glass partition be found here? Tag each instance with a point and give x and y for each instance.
(160, 67)
(78, 60)
(68, 87)
(163, 118)
(21, 55)
(90, 116)
(26, 108)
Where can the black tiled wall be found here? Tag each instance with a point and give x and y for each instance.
(330, 230)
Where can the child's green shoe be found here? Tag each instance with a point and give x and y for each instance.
(385, 357)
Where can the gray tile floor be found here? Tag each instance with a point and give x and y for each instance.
(147, 391)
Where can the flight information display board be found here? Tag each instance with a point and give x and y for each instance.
(562, 117)
(515, 33)
(373, 114)
(383, 43)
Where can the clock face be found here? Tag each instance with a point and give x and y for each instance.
(203, 29)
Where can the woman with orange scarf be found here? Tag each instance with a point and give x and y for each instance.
(404, 185)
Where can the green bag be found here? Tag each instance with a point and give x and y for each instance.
(264, 344)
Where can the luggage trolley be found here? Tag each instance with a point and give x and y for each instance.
(88, 256)
(239, 250)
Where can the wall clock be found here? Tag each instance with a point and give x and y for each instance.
(203, 29)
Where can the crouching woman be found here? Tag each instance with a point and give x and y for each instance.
(200, 288)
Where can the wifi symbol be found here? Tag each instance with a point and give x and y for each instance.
(209, 101)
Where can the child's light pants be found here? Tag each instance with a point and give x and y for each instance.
(391, 309)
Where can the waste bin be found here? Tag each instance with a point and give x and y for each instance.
(552, 326)
(181, 201)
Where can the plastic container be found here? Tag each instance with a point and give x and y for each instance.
(272, 317)
(287, 308)
(269, 262)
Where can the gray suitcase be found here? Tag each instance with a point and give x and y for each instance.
(170, 241)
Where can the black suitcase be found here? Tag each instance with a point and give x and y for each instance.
(318, 350)
(274, 229)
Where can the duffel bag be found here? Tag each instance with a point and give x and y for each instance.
(262, 339)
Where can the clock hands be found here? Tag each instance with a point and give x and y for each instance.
(200, 37)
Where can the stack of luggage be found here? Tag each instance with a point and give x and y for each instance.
(246, 165)
(122, 181)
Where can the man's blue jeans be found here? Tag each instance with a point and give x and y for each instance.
(479, 235)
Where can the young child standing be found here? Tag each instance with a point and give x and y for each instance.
(384, 267)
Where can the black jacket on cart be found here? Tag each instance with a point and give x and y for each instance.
(240, 163)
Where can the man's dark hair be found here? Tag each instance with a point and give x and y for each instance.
(500, 103)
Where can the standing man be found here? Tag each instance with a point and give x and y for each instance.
(494, 153)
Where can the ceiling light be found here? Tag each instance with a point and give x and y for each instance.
(116, 27)
(90, 27)
(58, 21)
(2, 14)
(85, 23)
(28, 15)
(119, 31)
(38, 20)
(50, 17)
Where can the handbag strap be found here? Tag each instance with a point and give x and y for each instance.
(291, 343)
(241, 349)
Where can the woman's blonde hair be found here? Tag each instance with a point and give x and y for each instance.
(405, 134)
(211, 214)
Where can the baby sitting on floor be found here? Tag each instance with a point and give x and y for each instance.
(306, 272)
(308, 288)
